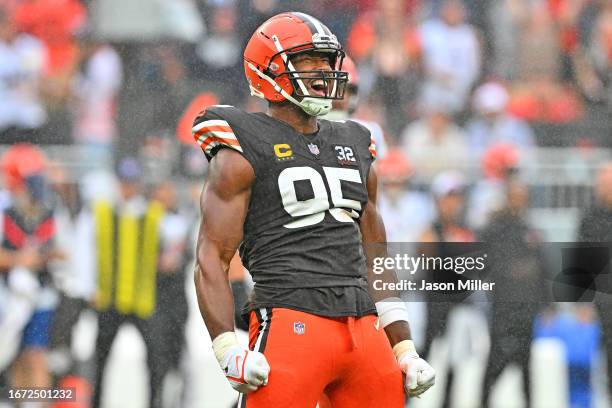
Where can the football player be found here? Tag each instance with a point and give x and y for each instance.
(345, 108)
(297, 196)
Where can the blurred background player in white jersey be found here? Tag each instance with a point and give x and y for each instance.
(343, 109)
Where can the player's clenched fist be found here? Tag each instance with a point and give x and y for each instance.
(245, 370)
(419, 374)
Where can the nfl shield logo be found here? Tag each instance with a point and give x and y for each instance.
(314, 149)
(299, 327)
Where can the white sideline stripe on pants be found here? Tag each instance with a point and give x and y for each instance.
(264, 318)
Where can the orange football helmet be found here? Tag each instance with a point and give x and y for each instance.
(272, 76)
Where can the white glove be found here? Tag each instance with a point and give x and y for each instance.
(245, 370)
(23, 282)
(420, 376)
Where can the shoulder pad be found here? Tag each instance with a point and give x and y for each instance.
(212, 131)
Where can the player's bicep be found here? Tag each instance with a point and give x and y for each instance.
(224, 204)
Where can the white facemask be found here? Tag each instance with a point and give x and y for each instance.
(312, 106)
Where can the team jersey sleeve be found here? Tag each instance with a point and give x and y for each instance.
(211, 132)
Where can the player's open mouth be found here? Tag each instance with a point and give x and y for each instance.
(318, 87)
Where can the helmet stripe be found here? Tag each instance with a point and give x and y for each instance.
(313, 24)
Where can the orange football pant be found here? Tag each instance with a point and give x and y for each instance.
(346, 362)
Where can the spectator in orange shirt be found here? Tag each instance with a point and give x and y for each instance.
(55, 23)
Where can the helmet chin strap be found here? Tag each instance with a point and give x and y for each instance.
(316, 106)
(312, 106)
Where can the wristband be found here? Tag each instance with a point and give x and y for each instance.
(404, 346)
(391, 310)
(222, 343)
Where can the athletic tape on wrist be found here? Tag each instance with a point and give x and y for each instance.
(404, 346)
(222, 343)
(391, 310)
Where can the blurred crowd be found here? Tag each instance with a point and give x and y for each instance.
(109, 243)
(462, 96)
(81, 72)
